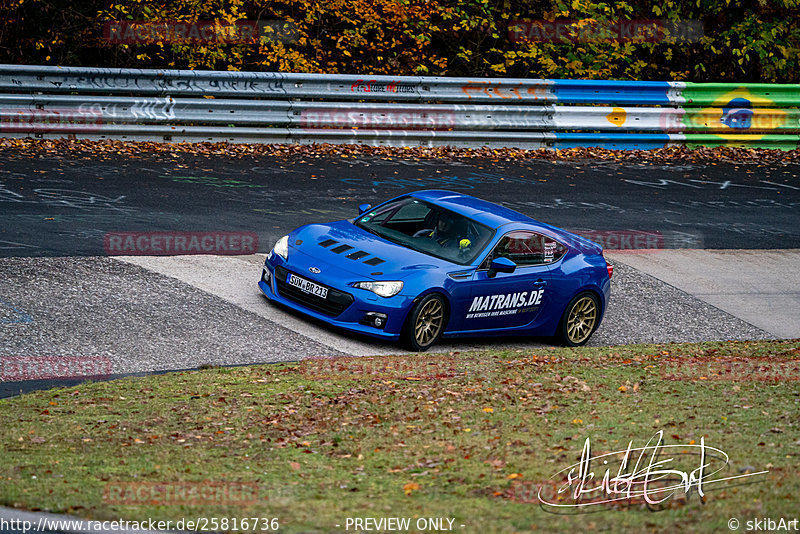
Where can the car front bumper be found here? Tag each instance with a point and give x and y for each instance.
(358, 316)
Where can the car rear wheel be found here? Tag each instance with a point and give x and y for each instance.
(580, 320)
(425, 323)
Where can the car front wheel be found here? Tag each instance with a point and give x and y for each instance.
(580, 320)
(425, 323)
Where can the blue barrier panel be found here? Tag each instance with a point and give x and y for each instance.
(611, 141)
(617, 92)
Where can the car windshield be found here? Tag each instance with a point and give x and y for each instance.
(428, 228)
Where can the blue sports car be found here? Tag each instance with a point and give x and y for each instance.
(435, 264)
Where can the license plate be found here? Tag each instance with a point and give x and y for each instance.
(307, 286)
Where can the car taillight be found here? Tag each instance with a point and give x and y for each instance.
(610, 270)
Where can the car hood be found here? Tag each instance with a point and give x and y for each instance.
(353, 249)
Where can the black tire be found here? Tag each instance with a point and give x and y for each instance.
(425, 323)
(579, 321)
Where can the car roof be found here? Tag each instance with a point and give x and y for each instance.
(482, 211)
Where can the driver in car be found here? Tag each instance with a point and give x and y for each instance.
(447, 233)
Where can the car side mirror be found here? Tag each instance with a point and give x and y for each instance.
(501, 265)
(363, 208)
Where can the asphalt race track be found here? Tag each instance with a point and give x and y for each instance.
(62, 296)
(58, 207)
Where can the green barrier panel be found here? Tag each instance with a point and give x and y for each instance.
(748, 95)
(783, 142)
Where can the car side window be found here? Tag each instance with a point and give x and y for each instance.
(527, 248)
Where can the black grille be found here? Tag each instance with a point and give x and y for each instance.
(327, 242)
(357, 255)
(341, 248)
(374, 261)
(334, 305)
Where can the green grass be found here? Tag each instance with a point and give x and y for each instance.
(465, 436)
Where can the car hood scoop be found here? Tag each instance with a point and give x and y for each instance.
(353, 249)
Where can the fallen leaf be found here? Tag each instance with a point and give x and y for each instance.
(410, 487)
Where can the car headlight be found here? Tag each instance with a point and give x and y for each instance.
(382, 289)
(281, 247)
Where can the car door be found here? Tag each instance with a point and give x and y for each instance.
(507, 300)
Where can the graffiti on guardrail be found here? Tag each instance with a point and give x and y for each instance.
(237, 82)
(142, 108)
(153, 108)
(374, 86)
(504, 91)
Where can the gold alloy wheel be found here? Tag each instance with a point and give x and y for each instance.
(581, 320)
(429, 322)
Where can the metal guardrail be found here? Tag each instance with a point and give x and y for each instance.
(268, 107)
